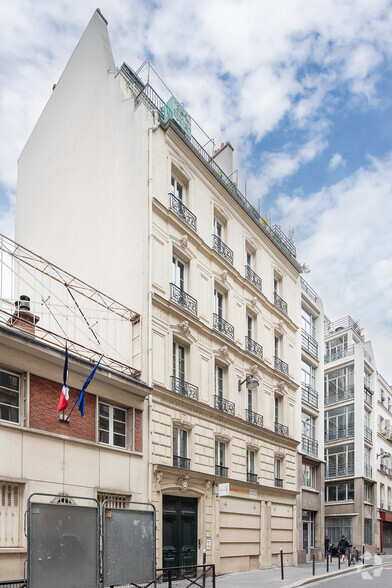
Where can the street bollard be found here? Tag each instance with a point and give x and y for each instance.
(314, 564)
(327, 562)
(339, 561)
(349, 558)
(204, 567)
(363, 554)
(281, 564)
(169, 578)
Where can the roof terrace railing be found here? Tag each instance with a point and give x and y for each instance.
(340, 325)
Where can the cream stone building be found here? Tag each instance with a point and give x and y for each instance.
(146, 214)
(383, 447)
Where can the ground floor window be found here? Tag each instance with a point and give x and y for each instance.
(335, 527)
(9, 514)
(367, 531)
(114, 500)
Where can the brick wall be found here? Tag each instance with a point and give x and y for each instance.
(44, 399)
(138, 430)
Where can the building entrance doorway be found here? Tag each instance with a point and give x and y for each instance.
(179, 531)
(307, 532)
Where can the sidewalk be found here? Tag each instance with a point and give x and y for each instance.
(296, 575)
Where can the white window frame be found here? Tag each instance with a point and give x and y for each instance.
(219, 228)
(5, 407)
(110, 418)
(178, 189)
(308, 476)
(179, 272)
(220, 453)
(308, 323)
(249, 258)
(277, 409)
(250, 461)
(10, 513)
(180, 442)
(219, 383)
(308, 425)
(333, 490)
(367, 493)
(219, 303)
(278, 468)
(179, 361)
(308, 376)
(250, 326)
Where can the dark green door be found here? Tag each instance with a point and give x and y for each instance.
(179, 531)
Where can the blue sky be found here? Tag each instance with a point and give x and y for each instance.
(303, 91)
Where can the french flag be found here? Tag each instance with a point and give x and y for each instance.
(64, 397)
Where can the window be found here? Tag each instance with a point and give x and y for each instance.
(308, 323)
(250, 399)
(219, 303)
(339, 423)
(368, 493)
(250, 326)
(308, 374)
(367, 531)
(339, 492)
(308, 476)
(277, 285)
(249, 259)
(337, 347)
(9, 514)
(9, 397)
(335, 527)
(366, 381)
(179, 271)
(219, 381)
(277, 409)
(277, 345)
(367, 419)
(366, 460)
(339, 460)
(250, 460)
(112, 425)
(218, 228)
(339, 384)
(114, 500)
(220, 459)
(308, 425)
(178, 189)
(179, 361)
(278, 473)
(180, 448)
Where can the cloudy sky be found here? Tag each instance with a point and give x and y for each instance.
(301, 88)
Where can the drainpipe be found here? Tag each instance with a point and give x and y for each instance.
(150, 197)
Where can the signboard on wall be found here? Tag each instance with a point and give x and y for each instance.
(224, 489)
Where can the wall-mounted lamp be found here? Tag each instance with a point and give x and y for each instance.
(383, 454)
(250, 381)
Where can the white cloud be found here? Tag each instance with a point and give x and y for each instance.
(336, 160)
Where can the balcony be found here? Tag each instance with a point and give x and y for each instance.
(279, 482)
(251, 477)
(367, 357)
(309, 344)
(309, 395)
(368, 395)
(221, 471)
(368, 470)
(280, 303)
(182, 212)
(183, 299)
(342, 324)
(339, 395)
(252, 277)
(368, 433)
(281, 429)
(183, 388)
(222, 249)
(346, 469)
(309, 291)
(254, 418)
(253, 347)
(223, 326)
(309, 446)
(340, 433)
(339, 354)
(181, 462)
(281, 366)
(224, 405)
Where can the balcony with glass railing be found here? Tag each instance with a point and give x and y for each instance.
(280, 303)
(368, 395)
(338, 395)
(182, 211)
(181, 462)
(252, 277)
(309, 446)
(221, 471)
(281, 366)
(183, 299)
(368, 470)
(224, 405)
(220, 247)
(339, 470)
(254, 418)
(223, 326)
(251, 477)
(253, 347)
(368, 433)
(309, 395)
(309, 344)
(281, 429)
(339, 433)
(339, 353)
(179, 386)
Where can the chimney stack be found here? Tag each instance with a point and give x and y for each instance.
(23, 318)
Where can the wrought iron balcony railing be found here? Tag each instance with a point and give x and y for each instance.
(340, 433)
(309, 446)
(308, 289)
(221, 471)
(223, 326)
(339, 353)
(309, 343)
(309, 395)
(253, 347)
(179, 386)
(281, 429)
(224, 405)
(254, 418)
(368, 470)
(251, 477)
(252, 277)
(281, 366)
(368, 434)
(183, 299)
(280, 303)
(368, 395)
(340, 325)
(338, 395)
(222, 249)
(279, 482)
(181, 462)
(182, 211)
(346, 469)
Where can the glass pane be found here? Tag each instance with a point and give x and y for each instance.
(104, 437)
(9, 381)
(119, 440)
(119, 427)
(8, 397)
(104, 424)
(104, 410)
(119, 414)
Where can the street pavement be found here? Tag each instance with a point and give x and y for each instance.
(302, 575)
